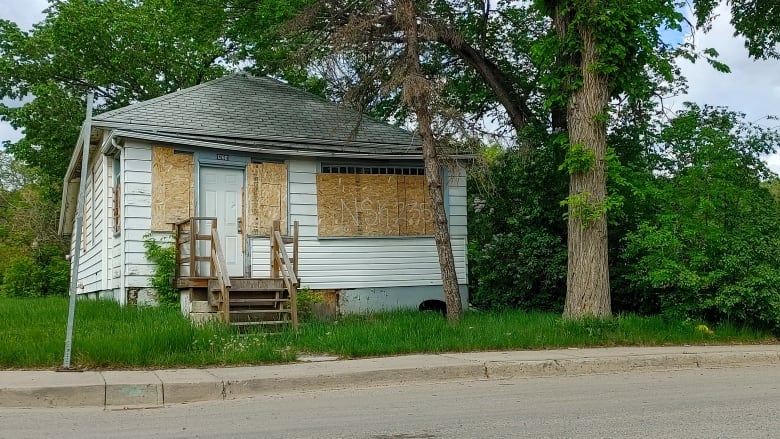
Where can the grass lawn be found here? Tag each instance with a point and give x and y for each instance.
(32, 334)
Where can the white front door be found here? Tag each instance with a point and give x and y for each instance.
(220, 197)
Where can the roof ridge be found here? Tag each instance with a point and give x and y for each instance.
(163, 98)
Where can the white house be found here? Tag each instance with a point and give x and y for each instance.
(249, 151)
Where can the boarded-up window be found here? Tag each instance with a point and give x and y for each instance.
(86, 218)
(267, 197)
(116, 213)
(373, 205)
(173, 187)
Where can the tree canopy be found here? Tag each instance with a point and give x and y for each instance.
(124, 51)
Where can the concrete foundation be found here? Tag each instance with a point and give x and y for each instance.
(364, 300)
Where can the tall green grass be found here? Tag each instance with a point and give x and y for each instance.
(408, 332)
(32, 333)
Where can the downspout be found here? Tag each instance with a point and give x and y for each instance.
(74, 277)
(122, 288)
(107, 259)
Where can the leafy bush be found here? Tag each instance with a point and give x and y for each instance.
(711, 248)
(307, 299)
(57, 273)
(23, 278)
(520, 270)
(163, 255)
(45, 274)
(517, 243)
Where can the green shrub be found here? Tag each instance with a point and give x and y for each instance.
(57, 273)
(23, 278)
(163, 255)
(520, 270)
(307, 299)
(45, 274)
(517, 234)
(711, 249)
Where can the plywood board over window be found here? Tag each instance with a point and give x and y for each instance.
(116, 212)
(266, 197)
(173, 187)
(373, 205)
(417, 217)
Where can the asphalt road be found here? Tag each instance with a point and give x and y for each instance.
(703, 403)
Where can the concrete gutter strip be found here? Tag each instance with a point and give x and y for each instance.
(134, 389)
(246, 381)
(502, 365)
(51, 389)
(190, 385)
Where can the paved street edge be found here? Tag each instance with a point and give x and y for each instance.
(144, 389)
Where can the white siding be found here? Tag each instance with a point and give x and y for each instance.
(91, 275)
(337, 263)
(345, 263)
(456, 185)
(365, 262)
(136, 212)
(261, 260)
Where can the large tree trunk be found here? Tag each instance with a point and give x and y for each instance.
(587, 282)
(417, 92)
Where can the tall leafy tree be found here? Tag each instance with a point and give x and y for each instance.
(600, 49)
(123, 50)
(709, 248)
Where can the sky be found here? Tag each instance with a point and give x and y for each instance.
(752, 87)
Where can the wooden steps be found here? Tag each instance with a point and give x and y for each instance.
(254, 301)
(250, 302)
(202, 274)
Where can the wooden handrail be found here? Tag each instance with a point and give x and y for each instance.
(286, 263)
(288, 269)
(220, 272)
(188, 234)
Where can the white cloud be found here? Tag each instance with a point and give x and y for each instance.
(752, 87)
(7, 133)
(24, 13)
(774, 162)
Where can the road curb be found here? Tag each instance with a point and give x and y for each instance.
(585, 366)
(52, 389)
(356, 379)
(133, 389)
(143, 389)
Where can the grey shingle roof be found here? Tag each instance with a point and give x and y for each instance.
(252, 111)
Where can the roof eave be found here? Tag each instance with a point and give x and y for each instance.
(271, 147)
(64, 204)
(178, 131)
